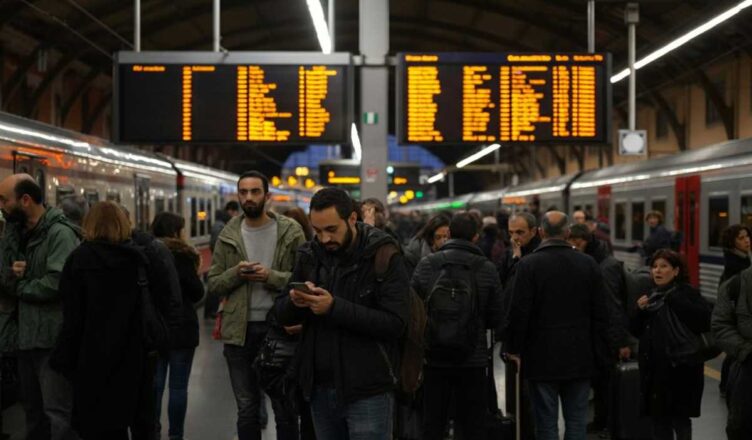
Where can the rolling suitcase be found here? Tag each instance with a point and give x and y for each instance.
(627, 423)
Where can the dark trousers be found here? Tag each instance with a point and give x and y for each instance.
(664, 428)
(179, 363)
(245, 386)
(120, 434)
(739, 398)
(369, 418)
(466, 387)
(601, 387)
(46, 396)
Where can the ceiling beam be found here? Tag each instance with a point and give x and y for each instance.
(677, 127)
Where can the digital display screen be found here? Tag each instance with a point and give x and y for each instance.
(339, 174)
(475, 98)
(404, 176)
(232, 102)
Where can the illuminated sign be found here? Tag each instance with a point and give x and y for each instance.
(475, 98)
(339, 173)
(403, 175)
(243, 97)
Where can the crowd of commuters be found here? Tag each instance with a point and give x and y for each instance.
(316, 311)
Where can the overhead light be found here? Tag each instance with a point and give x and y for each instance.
(319, 23)
(435, 178)
(684, 39)
(472, 158)
(355, 139)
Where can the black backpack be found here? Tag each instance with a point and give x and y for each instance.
(154, 329)
(452, 309)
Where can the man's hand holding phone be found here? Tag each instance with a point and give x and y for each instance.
(253, 271)
(308, 295)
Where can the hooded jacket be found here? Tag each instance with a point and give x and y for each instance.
(732, 320)
(224, 281)
(47, 246)
(734, 262)
(363, 327)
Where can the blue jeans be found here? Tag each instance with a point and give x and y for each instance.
(179, 363)
(544, 397)
(365, 419)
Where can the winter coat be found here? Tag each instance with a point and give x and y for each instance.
(100, 348)
(489, 294)
(559, 316)
(186, 263)
(668, 390)
(224, 280)
(365, 323)
(48, 245)
(508, 262)
(659, 238)
(732, 321)
(733, 263)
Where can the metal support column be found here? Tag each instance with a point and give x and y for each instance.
(216, 20)
(331, 23)
(632, 17)
(137, 25)
(591, 26)
(374, 84)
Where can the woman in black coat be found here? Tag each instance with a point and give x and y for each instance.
(670, 394)
(100, 347)
(736, 245)
(168, 228)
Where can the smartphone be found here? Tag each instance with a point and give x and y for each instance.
(247, 270)
(303, 287)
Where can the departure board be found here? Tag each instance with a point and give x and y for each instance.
(477, 98)
(246, 97)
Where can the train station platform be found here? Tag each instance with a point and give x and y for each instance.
(212, 411)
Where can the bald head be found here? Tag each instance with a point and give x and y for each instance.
(555, 225)
(21, 199)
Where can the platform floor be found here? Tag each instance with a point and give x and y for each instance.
(212, 411)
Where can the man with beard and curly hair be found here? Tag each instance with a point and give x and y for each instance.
(253, 259)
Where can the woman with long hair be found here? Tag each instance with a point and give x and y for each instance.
(671, 392)
(168, 228)
(428, 240)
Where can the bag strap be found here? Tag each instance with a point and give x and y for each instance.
(382, 259)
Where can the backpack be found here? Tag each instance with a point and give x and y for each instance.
(154, 330)
(412, 346)
(452, 309)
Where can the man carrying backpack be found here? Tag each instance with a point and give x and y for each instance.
(462, 294)
(732, 327)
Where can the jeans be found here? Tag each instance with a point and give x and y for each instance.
(466, 388)
(545, 397)
(247, 391)
(46, 396)
(365, 419)
(665, 427)
(179, 363)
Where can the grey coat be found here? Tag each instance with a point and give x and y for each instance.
(732, 323)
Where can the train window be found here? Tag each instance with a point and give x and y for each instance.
(92, 196)
(718, 219)
(62, 192)
(171, 204)
(638, 221)
(746, 212)
(159, 205)
(209, 216)
(202, 217)
(194, 215)
(660, 206)
(621, 221)
(39, 176)
(113, 196)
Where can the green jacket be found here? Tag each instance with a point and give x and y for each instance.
(229, 251)
(40, 313)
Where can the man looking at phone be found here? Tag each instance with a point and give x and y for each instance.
(252, 261)
(352, 321)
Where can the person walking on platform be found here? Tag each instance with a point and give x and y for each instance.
(457, 361)
(35, 245)
(168, 228)
(252, 261)
(732, 328)
(427, 241)
(352, 321)
(556, 335)
(671, 392)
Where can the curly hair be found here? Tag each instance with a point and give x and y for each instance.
(674, 259)
(728, 237)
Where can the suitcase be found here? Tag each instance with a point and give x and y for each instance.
(626, 421)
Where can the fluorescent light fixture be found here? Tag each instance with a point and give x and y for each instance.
(435, 178)
(319, 23)
(684, 39)
(472, 158)
(355, 139)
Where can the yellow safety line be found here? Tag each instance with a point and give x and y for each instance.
(712, 373)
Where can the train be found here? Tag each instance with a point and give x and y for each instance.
(700, 193)
(68, 164)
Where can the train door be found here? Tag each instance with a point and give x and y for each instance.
(604, 204)
(141, 202)
(33, 165)
(687, 222)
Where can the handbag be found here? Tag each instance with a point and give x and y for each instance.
(683, 346)
(273, 365)
(217, 330)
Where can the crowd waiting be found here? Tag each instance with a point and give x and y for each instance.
(362, 326)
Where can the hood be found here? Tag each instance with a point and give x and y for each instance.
(462, 245)
(735, 254)
(231, 232)
(50, 217)
(105, 255)
(367, 241)
(598, 250)
(553, 243)
(179, 247)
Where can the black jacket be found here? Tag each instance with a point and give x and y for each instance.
(508, 263)
(667, 390)
(559, 317)
(366, 321)
(185, 335)
(489, 293)
(659, 238)
(163, 278)
(100, 348)
(733, 263)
